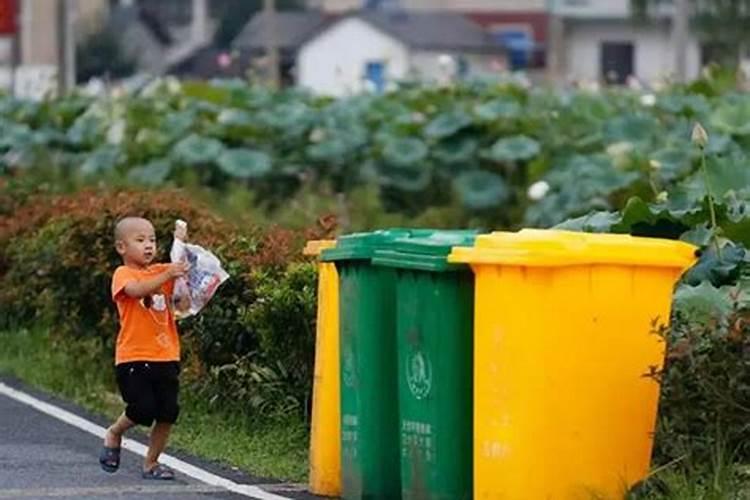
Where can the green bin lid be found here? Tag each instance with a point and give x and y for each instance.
(362, 246)
(426, 252)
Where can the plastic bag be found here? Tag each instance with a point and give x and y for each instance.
(203, 278)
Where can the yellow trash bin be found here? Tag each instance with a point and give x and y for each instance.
(325, 433)
(564, 407)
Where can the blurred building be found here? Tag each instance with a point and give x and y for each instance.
(30, 39)
(376, 48)
(600, 40)
(161, 34)
(520, 26)
(39, 26)
(291, 31)
(37, 37)
(340, 46)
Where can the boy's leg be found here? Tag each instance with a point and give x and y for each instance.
(109, 456)
(157, 444)
(166, 389)
(133, 380)
(113, 436)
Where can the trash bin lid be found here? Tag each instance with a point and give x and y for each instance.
(426, 252)
(362, 246)
(315, 247)
(539, 247)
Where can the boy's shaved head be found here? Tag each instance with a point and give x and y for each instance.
(127, 224)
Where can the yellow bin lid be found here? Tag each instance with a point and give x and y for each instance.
(315, 247)
(540, 247)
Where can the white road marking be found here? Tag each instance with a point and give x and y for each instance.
(136, 447)
(162, 489)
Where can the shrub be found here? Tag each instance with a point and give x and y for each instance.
(58, 253)
(705, 396)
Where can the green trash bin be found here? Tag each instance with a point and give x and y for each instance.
(434, 328)
(369, 406)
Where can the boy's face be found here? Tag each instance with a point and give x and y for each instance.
(136, 241)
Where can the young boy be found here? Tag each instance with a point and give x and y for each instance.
(147, 354)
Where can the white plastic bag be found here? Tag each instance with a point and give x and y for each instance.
(203, 278)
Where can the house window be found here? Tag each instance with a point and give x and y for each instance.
(375, 74)
(518, 41)
(616, 62)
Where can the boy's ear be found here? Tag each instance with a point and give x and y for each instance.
(120, 247)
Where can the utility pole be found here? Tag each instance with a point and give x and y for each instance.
(66, 73)
(272, 46)
(15, 51)
(555, 44)
(680, 32)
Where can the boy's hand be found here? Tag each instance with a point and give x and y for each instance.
(178, 269)
(180, 230)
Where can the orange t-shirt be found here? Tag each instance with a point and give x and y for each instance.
(147, 327)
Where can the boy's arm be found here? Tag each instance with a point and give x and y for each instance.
(139, 289)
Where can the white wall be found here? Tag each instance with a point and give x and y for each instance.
(31, 81)
(592, 8)
(653, 57)
(601, 9)
(334, 62)
(427, 65)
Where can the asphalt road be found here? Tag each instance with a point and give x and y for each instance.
(42, 457)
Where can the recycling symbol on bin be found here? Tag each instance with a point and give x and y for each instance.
(419, 374)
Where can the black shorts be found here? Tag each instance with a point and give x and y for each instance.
(150, 390)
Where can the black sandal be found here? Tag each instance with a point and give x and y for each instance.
(109, 459)
(159, 472)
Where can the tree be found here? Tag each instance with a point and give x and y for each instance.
(101, 55)
(233, 15)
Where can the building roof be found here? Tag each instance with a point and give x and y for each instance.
(425, 30)
(292, 30)
(122, 18)
(428, 30)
